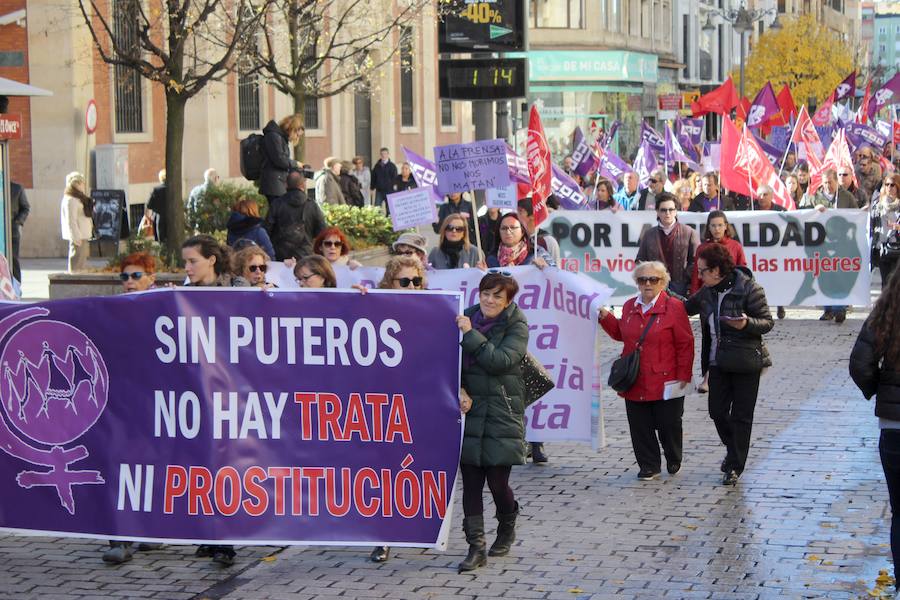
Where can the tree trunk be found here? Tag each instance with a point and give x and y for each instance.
(300, 109)
(175, 105)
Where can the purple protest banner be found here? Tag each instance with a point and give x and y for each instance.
(424, 172)
(232, 416)
(652, 137)
(474, 166)
(412, 208)
(644, 163)
(584, 157)
(674, 152)
(567, 191)
(863, 133)
(613, 167)
(692, 128)
(518, 166)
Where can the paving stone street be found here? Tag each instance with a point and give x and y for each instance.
(808, 519)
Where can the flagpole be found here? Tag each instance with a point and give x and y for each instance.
(477, 228)
(788, 149)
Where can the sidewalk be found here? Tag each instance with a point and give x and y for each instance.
(809, 518)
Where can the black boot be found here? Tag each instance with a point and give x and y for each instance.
(506, 533)
(538, 456)
(474, 528)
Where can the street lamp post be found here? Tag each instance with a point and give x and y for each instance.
(741, 20)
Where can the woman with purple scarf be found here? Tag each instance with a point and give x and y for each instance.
(494, 342)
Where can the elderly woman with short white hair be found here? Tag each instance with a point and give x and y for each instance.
(654, 402)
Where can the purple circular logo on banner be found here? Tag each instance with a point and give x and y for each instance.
(54, 383)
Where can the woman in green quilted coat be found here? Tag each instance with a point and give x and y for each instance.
(495, 340)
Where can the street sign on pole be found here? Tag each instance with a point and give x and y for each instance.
(90, 117)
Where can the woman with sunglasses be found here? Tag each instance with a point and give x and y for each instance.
(494, 342)
(455, 250)
(734, 315)
(655, 403)
(515, 246)
(315, 272)
(886, 226)
(400, 273)
(335, 247)
(251, 263)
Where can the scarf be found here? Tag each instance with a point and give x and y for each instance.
(87, 203)
(452, 250)
(510, 256)
(482, 325)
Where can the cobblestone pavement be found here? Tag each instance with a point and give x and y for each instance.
(809, 518)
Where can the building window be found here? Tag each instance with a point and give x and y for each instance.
(446, 113)
(646, 24)
(615, 15)
(782, 6)
(686, 44)
(721, 53)
(248, 102)
(407, 82)
(128, 92)
(311, 113)
(558, 14)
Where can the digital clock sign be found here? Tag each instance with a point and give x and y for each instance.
(482, 26)
(483, 79)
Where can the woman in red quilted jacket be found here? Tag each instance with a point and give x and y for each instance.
(655, 403)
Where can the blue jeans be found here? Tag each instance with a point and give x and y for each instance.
(889, 449)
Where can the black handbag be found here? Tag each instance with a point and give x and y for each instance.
(890, 249)
(624, 370)
(536, 379)
(739, 355)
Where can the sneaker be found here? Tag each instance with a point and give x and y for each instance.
(647, 475)
(730, 478)
(781, 313)
(380, 554)
(223, 557)
(673, 468)
(117, 555)
(840, 316)
(537, 453)
(827, 316)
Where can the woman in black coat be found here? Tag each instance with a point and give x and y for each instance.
(278, 139)
(495, 340)
(734, 315)
(875, 368)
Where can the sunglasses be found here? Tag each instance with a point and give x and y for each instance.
(260, 268)
(456, 228)
(666, 210)
(333, 244)
(135, 276)
(499, 272)
(510, 228)
(405, 281)
(650, 280)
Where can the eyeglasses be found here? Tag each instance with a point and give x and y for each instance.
(456, 228)
(666, 210)
(843, 174)
(499, 272)
(650, 280)
(135, 276)
(260, 268)
(510, 228)
(333, 244)
(405, 281)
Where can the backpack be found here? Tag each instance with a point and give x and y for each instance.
(293, 241)
(252, 156)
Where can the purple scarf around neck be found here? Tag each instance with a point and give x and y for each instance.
(483, 325)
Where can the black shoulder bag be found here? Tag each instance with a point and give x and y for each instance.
(624, 370)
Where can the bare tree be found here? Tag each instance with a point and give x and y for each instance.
(182, 45)
(319, 48)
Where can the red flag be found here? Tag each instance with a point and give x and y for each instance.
(805, 133)
(786, 104)
(862, 115)
(762, 172)
(721, 100)
(837, 157)
(823, 114)
(734, 174)
(743, 108)
(896, 128)
(537, 153)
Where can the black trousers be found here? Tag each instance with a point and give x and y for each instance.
(646, 421)
(732, 400)
(14, 264)
(473, 485)
(886, 266)
(889, 449)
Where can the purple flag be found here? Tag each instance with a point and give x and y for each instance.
(567, 191)
(610, 135)
(518, 167)
(613, 167)
(764, 107)
(887, 95)
(652, 137)
(690, 128)
(424, 172)
(846, 88)
(644, 163)
(712, 157)
(674, 152)
(858, 134)
(585, 160)
(772, 153)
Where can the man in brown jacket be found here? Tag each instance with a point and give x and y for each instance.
(671, 243)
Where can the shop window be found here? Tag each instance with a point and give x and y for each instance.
(561, 14)
(127, 82)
